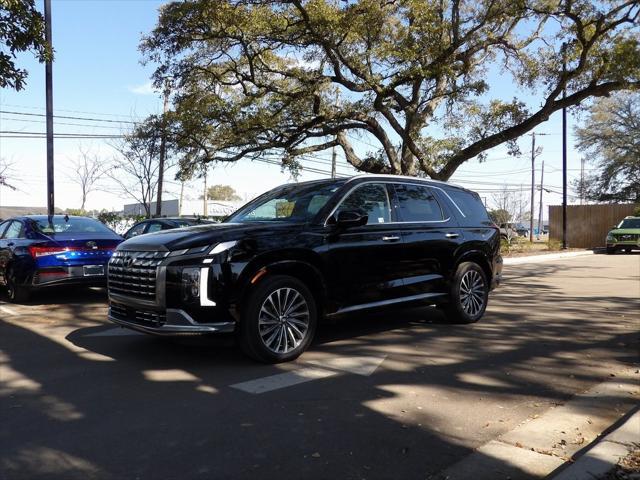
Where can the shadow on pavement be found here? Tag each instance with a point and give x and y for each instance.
(134, 406)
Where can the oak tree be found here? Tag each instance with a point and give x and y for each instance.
(21, 30)
(255, 77)
(610, 137)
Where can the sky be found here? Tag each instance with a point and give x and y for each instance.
(97, 75)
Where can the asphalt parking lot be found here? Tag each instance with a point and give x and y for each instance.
(394, 395)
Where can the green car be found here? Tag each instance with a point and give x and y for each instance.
(625, 237)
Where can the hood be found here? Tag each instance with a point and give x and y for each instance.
(197, 236)
(625, 231)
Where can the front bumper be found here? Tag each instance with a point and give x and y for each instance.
(623, 244)
(170, 322)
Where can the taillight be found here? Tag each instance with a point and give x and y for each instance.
(38, 251)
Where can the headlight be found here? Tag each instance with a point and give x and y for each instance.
(188, 251)
(610, 238)
(190, 284)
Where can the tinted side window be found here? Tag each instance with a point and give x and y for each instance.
(155, 227)
(136, 230)
(370, 198)
(14, 230)
(471, 206)
(3, 227)
(416, 203)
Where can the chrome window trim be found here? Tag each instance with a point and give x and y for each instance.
(384, 181)
(452, 201)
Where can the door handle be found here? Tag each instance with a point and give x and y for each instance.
(452, 235)
(390, 239)
(10, 244)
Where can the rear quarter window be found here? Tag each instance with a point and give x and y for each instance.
(470, 205)
(416, 203)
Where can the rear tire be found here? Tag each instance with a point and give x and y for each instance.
(16, 293)
(278, 320)
(468, 294)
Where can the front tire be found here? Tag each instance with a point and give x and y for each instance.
(468, 294)
(611, 250)
(278, 320)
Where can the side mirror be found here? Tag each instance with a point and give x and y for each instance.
(351, 218)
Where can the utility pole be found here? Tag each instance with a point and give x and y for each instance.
(333, 162)
(204, 196)
(181, 196)
(581, 180)
(163, 148)
(49, 102)
(540, 211)
(564, 151)
(533, 182)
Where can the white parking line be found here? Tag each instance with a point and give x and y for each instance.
(283, 380)
(7, 310)
(114, 332)
(358, 365)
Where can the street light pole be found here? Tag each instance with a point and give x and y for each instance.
(564, 151)
(49, 106)
(533, 183)
(163, 149)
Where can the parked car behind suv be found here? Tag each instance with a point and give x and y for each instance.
(165, 223)
(625, 236)
(38, 251)
(306, 251)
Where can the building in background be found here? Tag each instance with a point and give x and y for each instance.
(190, 208)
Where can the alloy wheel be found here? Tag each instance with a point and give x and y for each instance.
(283, 320)
(472, 293)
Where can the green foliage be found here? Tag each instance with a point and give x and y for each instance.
(76, 212)
(256, 78)
(222, 193)
(636, 212)
(110, 219)
(499, 216)
(610, 137)
(21, 30)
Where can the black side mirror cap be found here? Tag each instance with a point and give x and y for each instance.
(351, 218)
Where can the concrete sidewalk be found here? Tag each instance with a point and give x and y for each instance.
(546, 257)
(538, 447)
(606, 453)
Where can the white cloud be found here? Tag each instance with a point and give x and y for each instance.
(144, 89)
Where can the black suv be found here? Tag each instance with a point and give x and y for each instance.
(306, 251)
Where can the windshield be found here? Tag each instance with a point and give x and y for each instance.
(291, 203)
(630, 223)
(71, 225)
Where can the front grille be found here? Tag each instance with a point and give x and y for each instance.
(145, 318)
(134, 273)
(627, 237)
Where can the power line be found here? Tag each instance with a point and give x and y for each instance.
(88, 119)
(71, 111)
(63, 123)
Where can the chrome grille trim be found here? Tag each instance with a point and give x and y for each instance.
(134, 273)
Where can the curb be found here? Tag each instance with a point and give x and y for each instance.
(545, 257)
(539, 447)
(606, 453)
